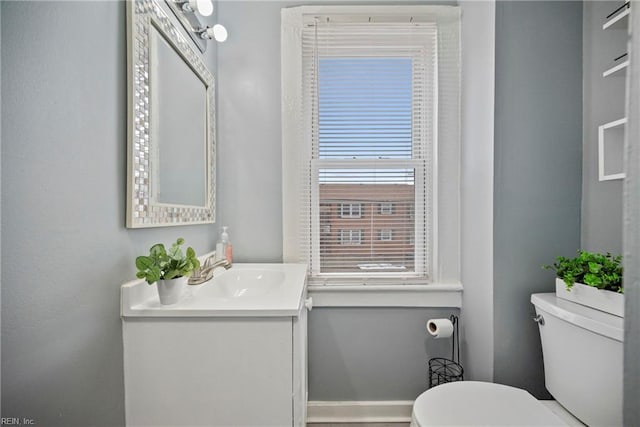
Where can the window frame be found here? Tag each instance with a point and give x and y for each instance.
(351, 241)
(352, 213)
(383, 232)
(423, 129)
(386, 206)
(446, 241)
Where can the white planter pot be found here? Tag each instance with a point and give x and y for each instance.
(170, 291)
(607, 301)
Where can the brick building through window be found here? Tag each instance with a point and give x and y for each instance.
(378, 238)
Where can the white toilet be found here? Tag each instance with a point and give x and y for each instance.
(582, 350)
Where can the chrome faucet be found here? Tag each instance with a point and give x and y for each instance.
(205, 273)
(220, 263)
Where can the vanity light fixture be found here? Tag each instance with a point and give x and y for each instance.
(203, 7)
(189, 12)
(218, 32)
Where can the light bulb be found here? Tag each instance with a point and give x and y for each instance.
(219, 33)
(203, 7)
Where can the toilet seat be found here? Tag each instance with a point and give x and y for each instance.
(474, 403)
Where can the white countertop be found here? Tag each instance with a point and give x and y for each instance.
(245, 290)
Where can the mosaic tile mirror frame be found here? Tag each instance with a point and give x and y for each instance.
(171, 123)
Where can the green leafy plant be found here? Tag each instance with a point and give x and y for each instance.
(602, 271)
(163, 265)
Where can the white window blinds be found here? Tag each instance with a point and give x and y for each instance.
(370, 103)
(360, 200)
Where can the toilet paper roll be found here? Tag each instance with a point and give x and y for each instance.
(440, 328)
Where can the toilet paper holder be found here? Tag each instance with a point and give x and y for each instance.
(443, 370)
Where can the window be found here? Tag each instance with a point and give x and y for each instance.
(386, 208)
(350, 210)
(362, 126)
(371, 91)
(385, 235)
(351, 237)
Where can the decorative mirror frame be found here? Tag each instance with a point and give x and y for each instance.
(142, 208)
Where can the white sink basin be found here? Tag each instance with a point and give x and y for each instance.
(241, 283)
(243, 290)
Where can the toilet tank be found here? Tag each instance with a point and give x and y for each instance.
(582, 351)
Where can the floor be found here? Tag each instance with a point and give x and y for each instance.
(358, 425)
(554, 406)
(562, 413)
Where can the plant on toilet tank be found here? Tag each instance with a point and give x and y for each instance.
(168, 269)
(591, 279)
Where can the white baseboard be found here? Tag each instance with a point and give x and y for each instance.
(359, 411)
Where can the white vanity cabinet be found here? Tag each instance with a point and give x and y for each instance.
(186, 368)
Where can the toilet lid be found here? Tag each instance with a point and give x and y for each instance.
(474, 403)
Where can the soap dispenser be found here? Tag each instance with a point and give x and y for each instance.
(220, 246)
(224, 248)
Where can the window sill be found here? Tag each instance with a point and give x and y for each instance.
(433, 295)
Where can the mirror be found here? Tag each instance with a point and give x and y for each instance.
(171, 141)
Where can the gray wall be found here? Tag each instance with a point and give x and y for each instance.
(476, 181)
(538, 143)
(65, 247)
(632, 239)
(0, 199)
(372, 353)
(249, 162)
(604, 101)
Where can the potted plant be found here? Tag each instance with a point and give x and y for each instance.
(591, 279)
(169, 270)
